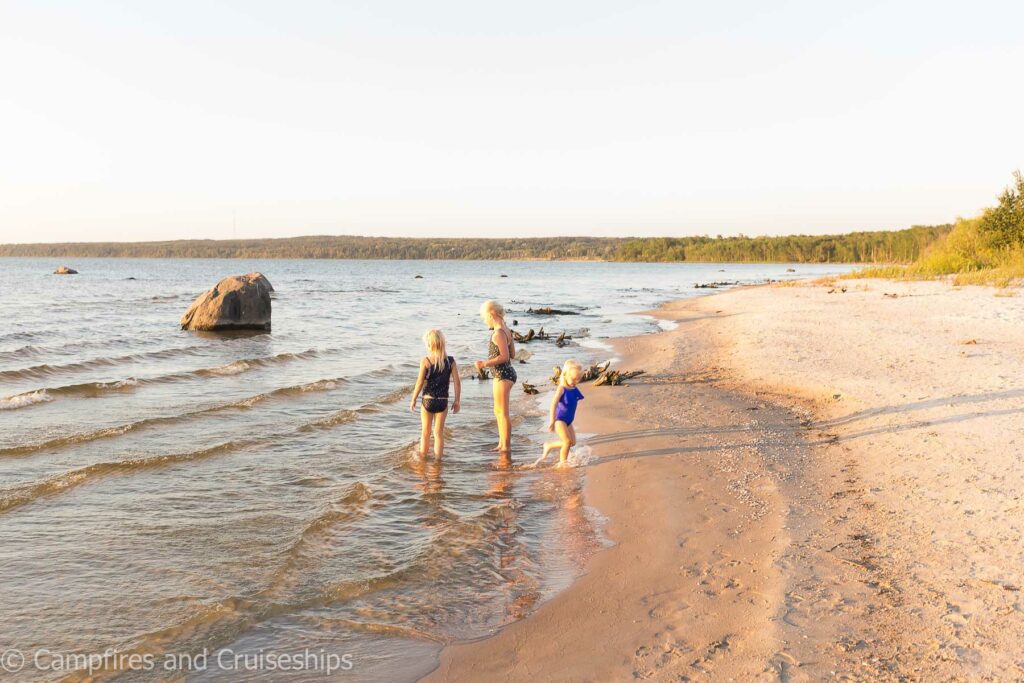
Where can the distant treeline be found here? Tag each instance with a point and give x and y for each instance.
(900, 246)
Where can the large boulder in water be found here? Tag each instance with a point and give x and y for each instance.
(64, 270)
(238, 302)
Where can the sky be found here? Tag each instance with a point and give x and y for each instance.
(142, 120)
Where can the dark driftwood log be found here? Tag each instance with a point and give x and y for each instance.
(591, 373)
(523, 338)
(616, 378)
(482, 374)
(530, 389)
(600, 375)
(715, 285)
(561, 341)
(547, 310)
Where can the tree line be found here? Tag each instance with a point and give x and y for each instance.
(898, 246)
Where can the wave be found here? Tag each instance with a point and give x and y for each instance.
(45, 369)
(347, 507)
(118, 430)
(19, 336)
(27, 399)
(21, 352)
(28, 493)
(93, 389)
(22, 495)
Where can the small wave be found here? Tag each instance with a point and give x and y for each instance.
(24, 400)
(19, 336)
(46, 369)
(86, 389)
(344, 508)
(243, 364)
(28, 493)
(92, 389)
(21, 352)
(108, 432)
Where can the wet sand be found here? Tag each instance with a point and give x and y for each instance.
(806, 485)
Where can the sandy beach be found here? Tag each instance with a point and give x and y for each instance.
(808, 484)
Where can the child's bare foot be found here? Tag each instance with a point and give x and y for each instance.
(498, 449)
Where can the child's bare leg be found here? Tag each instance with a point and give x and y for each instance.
(426, 418)
(565, 432)
(439, 419)
(548, 447)
(501, 390)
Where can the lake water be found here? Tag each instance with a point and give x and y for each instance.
(164, 491)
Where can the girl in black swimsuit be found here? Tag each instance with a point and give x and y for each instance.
(500, 352)
(437, 371)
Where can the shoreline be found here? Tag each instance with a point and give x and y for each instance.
(778, 490)
(692, 603)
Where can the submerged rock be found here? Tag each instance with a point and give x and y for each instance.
(64, 270)
(238, 302)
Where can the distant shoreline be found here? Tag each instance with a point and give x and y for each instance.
(889, 247)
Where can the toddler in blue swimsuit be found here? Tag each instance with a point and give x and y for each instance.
(563, 412)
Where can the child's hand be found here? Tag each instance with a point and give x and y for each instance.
(551, 426)
(412, 405)
(479, 365)
(455, 407)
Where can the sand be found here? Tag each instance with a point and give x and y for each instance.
(807, 485)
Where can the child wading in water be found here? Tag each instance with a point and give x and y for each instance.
(437, 371)
(563, 412)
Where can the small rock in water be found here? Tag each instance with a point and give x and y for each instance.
(64, 270)
(418, 277)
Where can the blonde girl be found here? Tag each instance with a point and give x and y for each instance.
(500, 352)
(437, 371)
(563, 412)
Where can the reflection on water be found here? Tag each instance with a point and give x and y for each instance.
(172, 492)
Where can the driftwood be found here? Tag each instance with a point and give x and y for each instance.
(547, 310)
(600, 375)
(715, 285)
(561, 340)
(530, 389)
(615, 377)
(589, 374)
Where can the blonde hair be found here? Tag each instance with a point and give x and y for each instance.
(436, 351)
(571, 367)
(492, 310)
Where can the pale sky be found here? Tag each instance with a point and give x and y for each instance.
(139, 120)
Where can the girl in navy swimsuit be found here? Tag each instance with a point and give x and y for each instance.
(501, 351)
(437, 371)
(563, 412)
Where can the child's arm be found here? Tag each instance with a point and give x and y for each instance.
(554, 405)
(419, 384)
(458, 387)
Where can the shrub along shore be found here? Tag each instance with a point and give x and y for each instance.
(988, 249)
